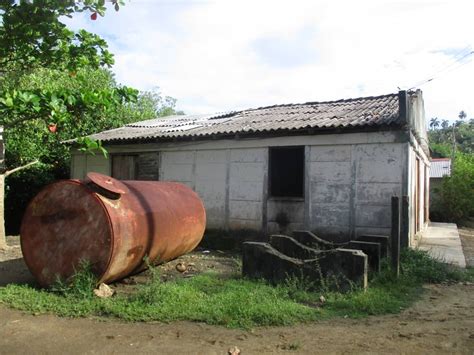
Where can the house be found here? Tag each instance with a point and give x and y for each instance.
(329, 167)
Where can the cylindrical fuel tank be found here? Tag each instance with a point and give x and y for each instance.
(113, 225)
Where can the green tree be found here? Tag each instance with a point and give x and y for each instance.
(32, 37)
(33, 139)
(434, 123)
(455, 196)
(454, 200)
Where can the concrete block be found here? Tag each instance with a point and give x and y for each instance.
(262, 261)
(383, 240)
(373, 216)
(372, 231)
(311, 240)
(78, 166)
(382, 152)
(211, 190)
(96, 160)
(334, 234)
(340, 267)
(101, 169)
(371, 249)
(379, 193)
(330, 215)
(246, 190)
(245, 224)
(177, 172)
(211, 171)
(331, 172)
(181, 157)
(248, 155)
(330, 193)
(330, 153)
(214, 222)
(294, 210)
(275, 228)
(368, 171)
(214, 209)
(292, 248)
(347, 266)
(211, 156)
(245, 210)
(247, 171)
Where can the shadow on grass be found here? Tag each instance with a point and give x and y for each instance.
(14, 271)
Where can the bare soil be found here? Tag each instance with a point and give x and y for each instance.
(467, 240)
(442, 321)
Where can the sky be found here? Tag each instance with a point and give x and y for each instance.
(218, 55)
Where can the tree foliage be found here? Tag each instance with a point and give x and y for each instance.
(33, 40)
(460, 134)
(32, 34)
(453, 200)
(54, 86)
(34, 139)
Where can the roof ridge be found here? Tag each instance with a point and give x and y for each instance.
(324, 102)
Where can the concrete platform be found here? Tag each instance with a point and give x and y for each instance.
(441, 241)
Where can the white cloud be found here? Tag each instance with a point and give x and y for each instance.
(204, 52)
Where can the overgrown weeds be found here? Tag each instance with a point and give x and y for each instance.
(81, 285)
(237, 302)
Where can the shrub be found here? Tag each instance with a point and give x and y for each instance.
(455, 196)
(21, 187)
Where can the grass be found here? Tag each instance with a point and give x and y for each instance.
(236, 302)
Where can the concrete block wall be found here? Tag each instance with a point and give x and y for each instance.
(81, 164)
(379, 170)
(177, 166)
(210, 183)
(247, 184)
(330, 179)
(349, 180)
(229, 181)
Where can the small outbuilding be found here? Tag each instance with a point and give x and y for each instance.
(329, 167)
(440, 168)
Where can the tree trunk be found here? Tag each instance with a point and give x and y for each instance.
(3, 240)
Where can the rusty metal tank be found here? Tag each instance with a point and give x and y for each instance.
(112, 224)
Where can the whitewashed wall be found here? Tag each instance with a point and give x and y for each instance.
(348, 184)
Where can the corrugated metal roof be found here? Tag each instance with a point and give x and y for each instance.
(351, 113)
(440, 167)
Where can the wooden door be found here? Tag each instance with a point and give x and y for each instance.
(124, 167)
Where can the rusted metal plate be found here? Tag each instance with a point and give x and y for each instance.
(107, 183)
(158, 220)
(64, 224)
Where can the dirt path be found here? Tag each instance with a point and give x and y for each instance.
(441, 322)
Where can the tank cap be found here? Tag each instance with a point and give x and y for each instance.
(108, 183)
